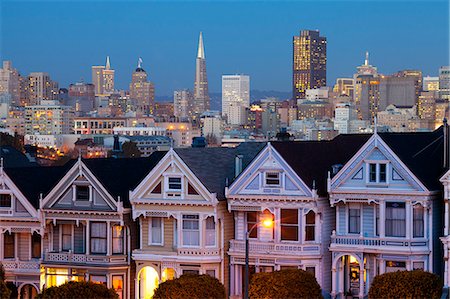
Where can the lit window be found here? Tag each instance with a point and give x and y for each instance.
(117, 239)
(272, 178)
(117, 283)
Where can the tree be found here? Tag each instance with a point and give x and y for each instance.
(289, 283)
(79, 290)
(191, 286)
(5, 292)
(406, 284)
(130, 150)
(14, 141)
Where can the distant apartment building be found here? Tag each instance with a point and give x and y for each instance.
(9, 82)
(344, 116)
(183, 102)
(399, 90)
(235, 98)
(444, 82)
(103, 79)
(40, 88)
(427, 106)
(97, 125)
(140, 131)
(49, 118)
(314, 109)
(142, 91)
(309, 62)
(397, 119)
(367, 96)
(430, 83)
(180, 132)
(147, 145)
(212, 126)
(81, 96)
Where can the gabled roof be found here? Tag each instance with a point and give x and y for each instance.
(34, 181)
(14, 158)
(215, 166)
(119, 176)
(312, 160)
(422, 153)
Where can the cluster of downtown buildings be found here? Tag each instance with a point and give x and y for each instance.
(362, 190)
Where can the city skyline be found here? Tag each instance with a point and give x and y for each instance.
(168, 46)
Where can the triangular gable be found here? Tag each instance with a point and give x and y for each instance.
(354, 174)
(79, 182)
(155, 186)
(254, 179)
(20, 206)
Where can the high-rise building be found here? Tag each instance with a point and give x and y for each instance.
(367, 96)
(201, 94)
(366, 68)
(9, 82)
(49, 118)
(416, 75)
(345, 114)
(444, 82)
(235, 98)
(344, 86)
(430, 83)
(399, 91)
(103, 79)
(142, 91)
(41, 87)
(81, 96)
(183, 101)
(309, 62)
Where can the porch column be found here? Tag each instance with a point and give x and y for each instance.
(361, 279)
(232, 291)
(333, 282)
(408, 219)
(382, 220)
(108, 238)
(446, 219)
(88, 237)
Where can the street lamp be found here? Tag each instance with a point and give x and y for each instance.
(268, 223)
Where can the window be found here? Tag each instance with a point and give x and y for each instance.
(377, 220)
(289, 224)
(210, 232)
(372, 172)
(190, 271)
(311, 270)
(117, 239)
(211, 273)
(252, 219)
(175, 184)
(156, 231)
(354, 220)
(273, 178)
(35, 245)
(418, 265)
(101, 279)
(395, 219)
(82, 193)
(5, 200)
(382, 178)
(66, 237)
(117, 284)
(418, 223)
(310, 227)
(9, 248)
(191, 231)
(98, 237)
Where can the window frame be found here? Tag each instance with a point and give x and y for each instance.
(422, 219)
(196, 218)
(378, 173)
(289, 225)
(255, 233)
(207, 237)
(180, 183)
(349, 217)
(121, 238)
(386, 219)
(10, 201)
(77, 192)
(91, 238)
(12, 244)
(311, 225)
(266, 178)
(150, 231)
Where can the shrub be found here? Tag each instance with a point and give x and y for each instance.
(289, 283)
(5, 292)
(191, 286)
(78, 290)
(406, 284)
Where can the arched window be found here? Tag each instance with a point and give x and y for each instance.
(117, 239)
(310, 227)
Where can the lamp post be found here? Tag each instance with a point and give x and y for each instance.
(266, 223)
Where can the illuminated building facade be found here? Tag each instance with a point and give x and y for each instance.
(235, 98)
(309, 62)
(444, 83)
(49, 118)
(142, 91)
(103, 79)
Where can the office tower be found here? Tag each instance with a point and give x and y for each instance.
(103, 79)
(344, 86)
(309, 62)
(444, 82)
(430, 83)
(201, 95)
(399, 91)
(417, 77)
(183, 102)
(49, 118)
(426, 106)
(367, 96)
(235, 98)
(41, 87)
(81, 96)
(142, 92)
(9, 82)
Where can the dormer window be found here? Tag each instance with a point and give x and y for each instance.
(5, 200)
(377, 172)
(273, 179)
(174, 183)
(82, 193)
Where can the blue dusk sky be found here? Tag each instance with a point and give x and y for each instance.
(65, 38)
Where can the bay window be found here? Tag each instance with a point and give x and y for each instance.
(117, 239)
(310, 226)
(354, 220)
(35, 245)
(191, 230)
(418, 222)
(8, 245)
(210, 232)
(395, 219)
(156, 231)
(98, 237)
(252, 219)
(66, 237)
(289, 224)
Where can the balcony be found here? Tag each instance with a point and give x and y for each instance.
(88, 259)
(21, 266)
(198, 251)
(377, 243)
(259, 247)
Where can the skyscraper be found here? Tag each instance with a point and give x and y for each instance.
(41, 87)
(201, 95)
(182, 103)
(142, 91)
(9, 81)
(235, 98)
(309, 64)
(444, 83)
(103, 79)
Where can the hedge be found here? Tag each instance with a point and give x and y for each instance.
(284, 284)
(191, 286)
(78, 290)
(406, 284)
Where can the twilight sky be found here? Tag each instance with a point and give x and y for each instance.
(252, 37)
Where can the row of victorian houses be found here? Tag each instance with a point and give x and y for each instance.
(344, 210)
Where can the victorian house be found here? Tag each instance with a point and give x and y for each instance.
(286, 184)
(388, 211)
(181, 210)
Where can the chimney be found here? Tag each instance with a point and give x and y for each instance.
(237, 165)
